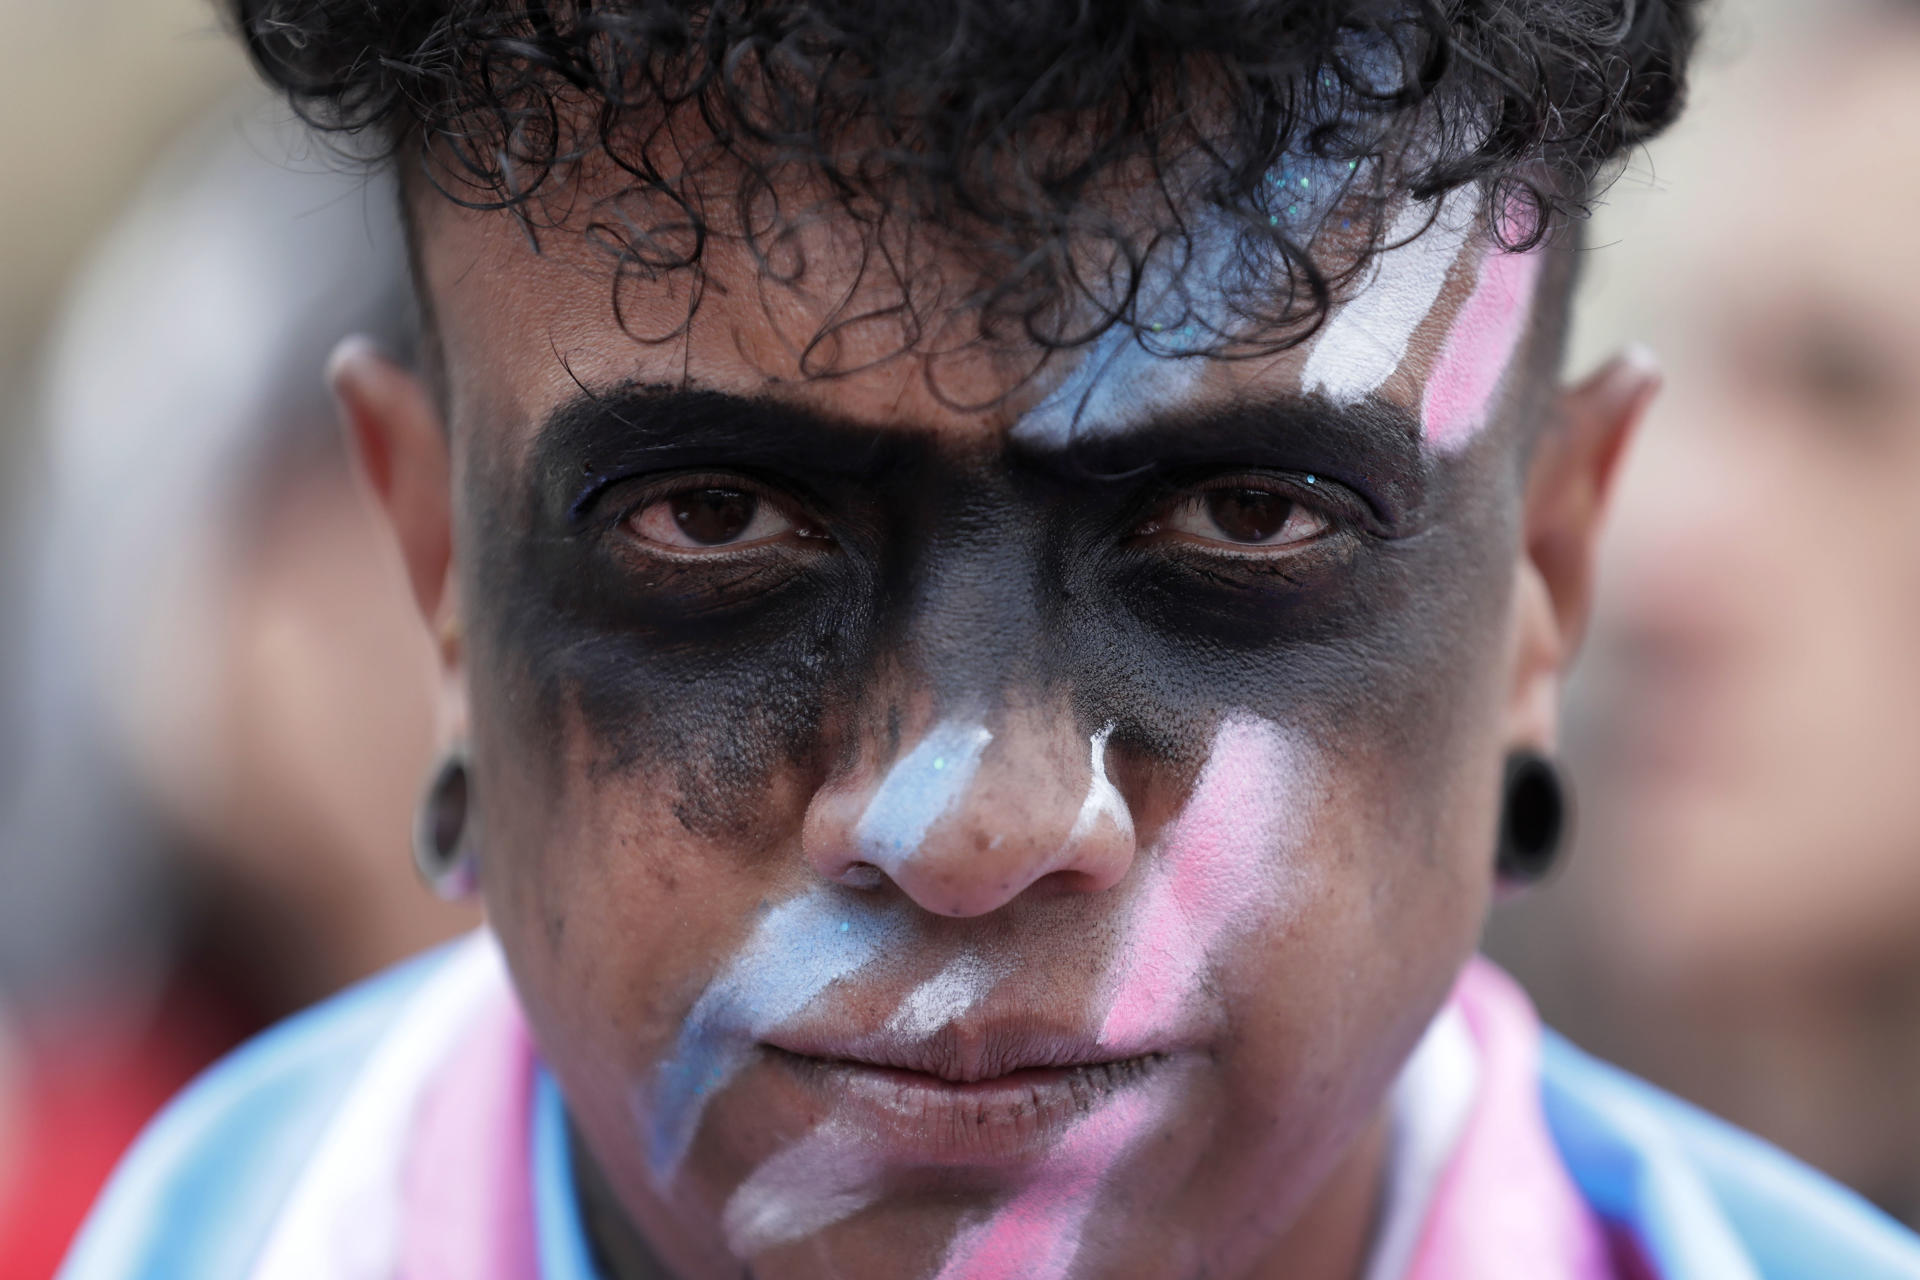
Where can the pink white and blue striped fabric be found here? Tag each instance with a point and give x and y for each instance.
(405, 1131)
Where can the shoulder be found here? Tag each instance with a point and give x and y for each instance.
(199, 1192)
(1701, 1197)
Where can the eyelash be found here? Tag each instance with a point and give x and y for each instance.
(1343, 510)
(1332, 501)
(655, 488)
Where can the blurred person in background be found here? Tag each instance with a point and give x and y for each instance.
(1742, 919)
(222, 701)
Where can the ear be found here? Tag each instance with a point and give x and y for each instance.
(396, 434)
(1568, 483)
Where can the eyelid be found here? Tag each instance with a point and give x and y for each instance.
(652, 487)
(655, 487)
(1343, 509)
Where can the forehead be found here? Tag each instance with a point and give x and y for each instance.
(526, 325)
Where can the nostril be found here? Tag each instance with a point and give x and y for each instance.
(861, 875)
(962, 831)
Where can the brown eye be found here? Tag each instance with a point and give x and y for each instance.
(1243, 516)
(710, 517)
(713, 517)
(1248, 515)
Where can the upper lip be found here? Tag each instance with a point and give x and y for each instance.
(955, 1054)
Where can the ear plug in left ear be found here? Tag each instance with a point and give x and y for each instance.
(1534, 818)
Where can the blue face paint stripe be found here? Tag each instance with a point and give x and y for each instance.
(920, 787)
(797, 951)
(1193, 296)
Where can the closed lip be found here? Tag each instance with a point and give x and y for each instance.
(991, 1094)
(957, 1054)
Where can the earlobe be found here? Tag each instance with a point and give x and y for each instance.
(395, 431)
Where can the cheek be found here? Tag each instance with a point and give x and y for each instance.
(601, 685)
(616, 916)
(1231, 855)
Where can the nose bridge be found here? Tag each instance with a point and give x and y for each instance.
(977, 812)
(994, 787)
(974, 622)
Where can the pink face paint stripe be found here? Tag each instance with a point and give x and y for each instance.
(1035, 1235)
(1479, 348)
(1213, 864)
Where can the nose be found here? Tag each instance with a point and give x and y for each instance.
(970, 817)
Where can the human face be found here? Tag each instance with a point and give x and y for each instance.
(1748, 738)
(923, 837)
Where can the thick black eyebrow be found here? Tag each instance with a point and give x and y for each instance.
(1373, 447)
(600, 437)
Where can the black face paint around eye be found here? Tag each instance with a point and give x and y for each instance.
(985, 576)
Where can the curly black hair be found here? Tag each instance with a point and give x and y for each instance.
(1076, 149)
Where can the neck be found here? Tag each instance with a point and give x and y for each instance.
(1333, 1236)
(619, 1249)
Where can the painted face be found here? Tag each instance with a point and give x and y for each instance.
(976, 843)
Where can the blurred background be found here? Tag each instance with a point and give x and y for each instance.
(214, 690)
(1739, 919)
(214, 698)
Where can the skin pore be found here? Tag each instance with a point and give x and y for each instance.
(928, 847)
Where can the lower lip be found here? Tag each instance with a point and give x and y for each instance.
(915, 1119)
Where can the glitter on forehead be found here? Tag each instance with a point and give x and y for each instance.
(1148, 363)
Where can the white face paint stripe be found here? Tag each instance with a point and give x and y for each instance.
(829, 1175)
(1365, 340)
(826, 1177)
(1102, 795)
(945, 997)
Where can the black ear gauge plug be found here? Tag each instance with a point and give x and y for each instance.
(1535, 817)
